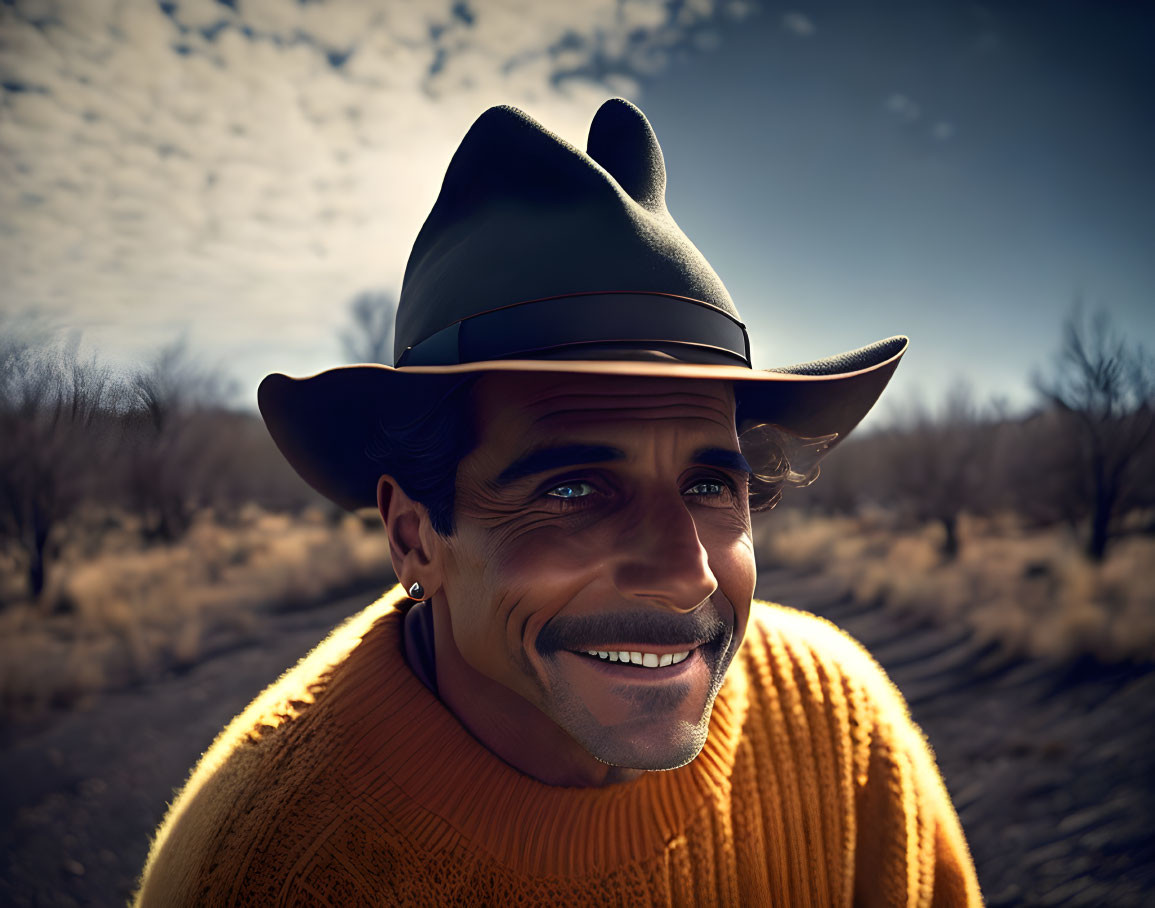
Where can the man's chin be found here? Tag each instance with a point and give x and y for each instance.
(657, 750)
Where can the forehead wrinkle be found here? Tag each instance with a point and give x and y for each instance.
(564, 414)
(632, 399)
(622, 413)
(497, 388)
(715, 411)
(585, 428)
(600, 427)
(629, 391)
(594, 432)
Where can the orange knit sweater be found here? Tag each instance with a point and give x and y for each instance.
(347, 782)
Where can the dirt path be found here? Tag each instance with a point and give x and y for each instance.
(1050, 767)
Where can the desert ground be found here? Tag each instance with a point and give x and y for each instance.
(1049, 762)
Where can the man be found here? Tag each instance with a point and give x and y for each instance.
(571, 698)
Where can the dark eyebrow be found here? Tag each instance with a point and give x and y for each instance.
(541, 460)
(722, 457)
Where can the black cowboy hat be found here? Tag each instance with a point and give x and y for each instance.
(538, 257)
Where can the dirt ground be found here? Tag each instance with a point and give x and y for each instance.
(1051, 767)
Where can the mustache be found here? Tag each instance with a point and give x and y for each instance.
(641, 626)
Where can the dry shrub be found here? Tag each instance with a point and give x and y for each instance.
(130, 614)
(800, 542)
(1034, 592)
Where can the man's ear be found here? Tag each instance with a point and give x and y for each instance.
(413, 547)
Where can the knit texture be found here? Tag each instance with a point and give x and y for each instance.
(347, 782)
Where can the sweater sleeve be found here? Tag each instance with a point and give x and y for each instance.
(902, 841)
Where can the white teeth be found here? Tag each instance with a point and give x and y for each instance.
(646, 660)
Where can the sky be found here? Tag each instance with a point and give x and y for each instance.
(235, 172)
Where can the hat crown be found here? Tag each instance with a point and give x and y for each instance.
(524, 216)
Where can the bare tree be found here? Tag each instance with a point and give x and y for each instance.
(940, 463)
(1104, 390)
(58, 421)
(369, 336)
(176, 457)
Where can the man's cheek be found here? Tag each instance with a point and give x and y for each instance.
(489, 631)
(519, 619)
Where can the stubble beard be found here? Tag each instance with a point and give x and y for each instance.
(660, 746)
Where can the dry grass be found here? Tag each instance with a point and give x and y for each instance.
(128, 613)
(1032, 591)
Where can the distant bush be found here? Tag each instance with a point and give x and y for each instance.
(160, 443)
(1025, 589)
(134, 612)
(61, 421)
(187, 450)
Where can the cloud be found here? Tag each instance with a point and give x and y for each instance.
(799, 25)
(243, 169)
(739, 9)
(902, 107)
(943, 130)
(907, 110)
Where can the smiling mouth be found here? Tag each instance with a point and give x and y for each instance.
(639, 658)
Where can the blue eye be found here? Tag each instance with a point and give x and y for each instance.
(580, 493)
(570, 490)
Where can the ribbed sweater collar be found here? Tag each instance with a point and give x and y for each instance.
(399, 735)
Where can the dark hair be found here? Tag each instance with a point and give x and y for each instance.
(780, 459)
(424, 454)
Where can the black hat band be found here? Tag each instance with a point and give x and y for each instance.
(587, 318)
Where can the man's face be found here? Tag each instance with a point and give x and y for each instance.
(604, 514)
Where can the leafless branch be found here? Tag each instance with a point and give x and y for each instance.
(369, 336)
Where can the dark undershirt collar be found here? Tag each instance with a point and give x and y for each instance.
(419, 651)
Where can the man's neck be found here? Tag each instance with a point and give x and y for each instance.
(419, 647)
(503, 721)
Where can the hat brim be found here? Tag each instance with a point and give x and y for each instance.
(323, 423)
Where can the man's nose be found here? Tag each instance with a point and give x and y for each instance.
(662, 559)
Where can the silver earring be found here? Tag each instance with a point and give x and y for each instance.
(416, 592)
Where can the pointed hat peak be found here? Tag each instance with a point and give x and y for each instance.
(622, 141)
